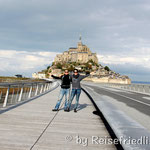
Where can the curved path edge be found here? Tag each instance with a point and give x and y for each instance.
(132, 135)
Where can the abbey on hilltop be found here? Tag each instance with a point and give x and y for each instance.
(84, 60)
(80, 54)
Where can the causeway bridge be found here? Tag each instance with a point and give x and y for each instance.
(109, 117)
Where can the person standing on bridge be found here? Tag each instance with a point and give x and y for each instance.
(76, 88)
(65, 89)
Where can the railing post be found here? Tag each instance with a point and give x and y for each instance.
(144, 91)
(17, 94)
(6, 97)
(27, 92)
(12, 96)
(24, 93)
(36, 89)
(133, 87)
(1, 95)
(138, 88)
(130, 87)
(45, 88)
(41, 89)
(49, 86)
(30, 92)
(20, 96)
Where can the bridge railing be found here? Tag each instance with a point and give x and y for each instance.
(12, 93)
(140, 88)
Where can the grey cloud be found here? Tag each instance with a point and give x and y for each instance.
(107, 27)
(57, 21)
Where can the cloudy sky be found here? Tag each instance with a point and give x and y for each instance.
(32, 32)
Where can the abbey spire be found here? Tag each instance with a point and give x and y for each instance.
(80, 42)
(80, 38)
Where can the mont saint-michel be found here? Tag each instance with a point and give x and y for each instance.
(80, 54)
(83, 59)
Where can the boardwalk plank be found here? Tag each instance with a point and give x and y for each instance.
(21, 127)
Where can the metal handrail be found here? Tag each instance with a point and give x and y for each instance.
(12, 93)
(140, 88)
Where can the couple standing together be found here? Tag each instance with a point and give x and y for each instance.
(65, 89)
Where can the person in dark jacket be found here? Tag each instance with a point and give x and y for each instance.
(76, 89)
(65, 89)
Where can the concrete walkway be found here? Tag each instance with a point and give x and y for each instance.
(34, 126)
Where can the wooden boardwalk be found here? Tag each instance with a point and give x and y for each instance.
(34, 126)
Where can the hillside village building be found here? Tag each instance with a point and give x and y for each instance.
(81, 54)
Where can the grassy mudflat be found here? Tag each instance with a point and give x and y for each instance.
(14, 79)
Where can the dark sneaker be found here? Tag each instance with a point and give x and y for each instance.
(55, 109)
(75, 110)
(67, 110)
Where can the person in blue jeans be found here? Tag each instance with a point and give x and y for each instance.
(76, 89)
(65, 90)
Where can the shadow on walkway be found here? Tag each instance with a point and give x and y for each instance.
(80, 106)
